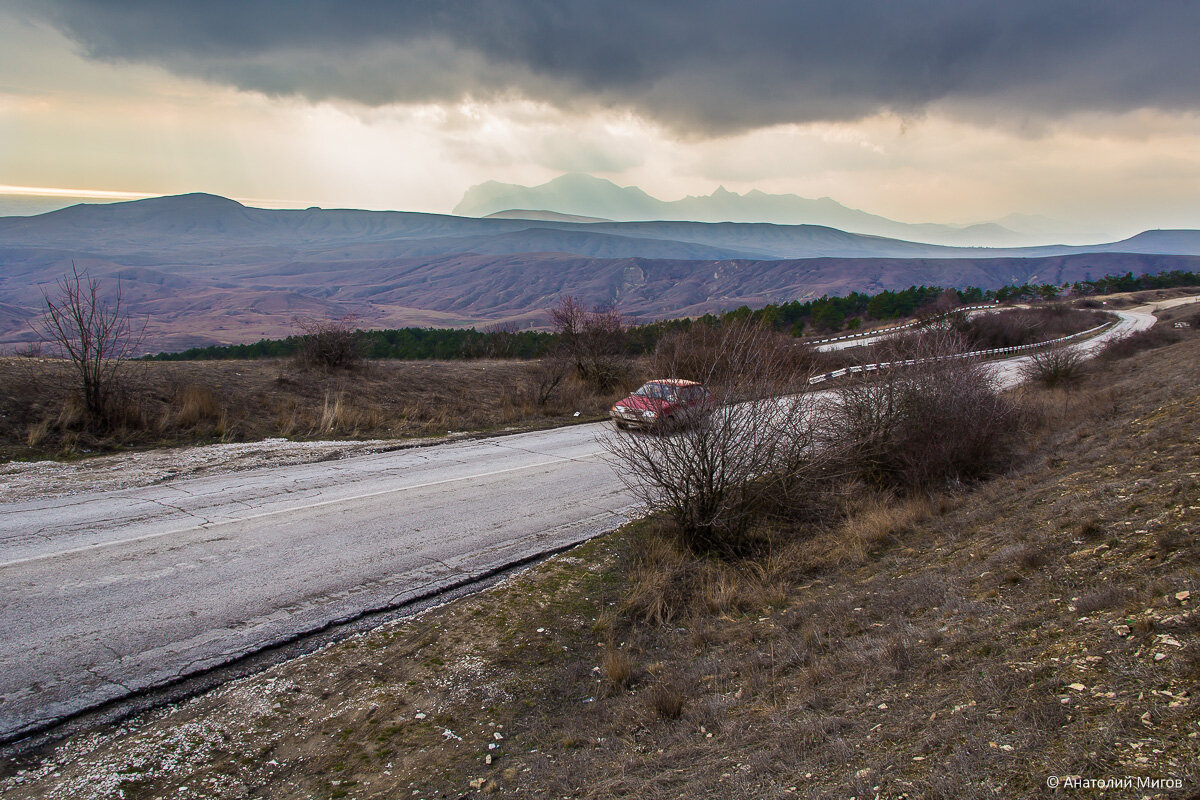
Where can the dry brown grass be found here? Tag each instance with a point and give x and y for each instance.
(668, 698)
(191, 406)
(618, 668)
(167, 403)
(37, 434)
(872, 522)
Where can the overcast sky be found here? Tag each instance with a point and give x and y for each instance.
(921, 110)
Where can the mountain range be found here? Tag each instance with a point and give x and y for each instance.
(584, 195)
(206, 269)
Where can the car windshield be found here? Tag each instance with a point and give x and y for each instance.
(659, 391)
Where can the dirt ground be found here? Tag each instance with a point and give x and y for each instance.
(977, 643)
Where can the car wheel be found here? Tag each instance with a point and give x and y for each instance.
(623, 425)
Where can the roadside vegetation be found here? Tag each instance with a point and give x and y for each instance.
(330, 385)
(959, 593)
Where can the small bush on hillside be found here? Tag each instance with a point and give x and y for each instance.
(329, 343)
(752, 451)
(1134, 343)
(924, 426)
(1058, 366)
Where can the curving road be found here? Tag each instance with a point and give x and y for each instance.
(107, 593)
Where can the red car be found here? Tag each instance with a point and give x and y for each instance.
(669, 402)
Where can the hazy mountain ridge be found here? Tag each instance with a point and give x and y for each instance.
(206, 269)
(585, 195)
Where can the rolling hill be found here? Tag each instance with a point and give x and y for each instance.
(205, 269)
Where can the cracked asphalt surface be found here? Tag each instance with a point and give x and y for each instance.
(106, 593)
(109, 593)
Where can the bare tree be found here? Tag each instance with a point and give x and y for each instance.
(96, 336)
(329, 343)
(752, 451)
(593, 341)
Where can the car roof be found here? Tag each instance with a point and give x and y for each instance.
(674, 382)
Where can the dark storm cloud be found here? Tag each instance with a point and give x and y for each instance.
(693, 64)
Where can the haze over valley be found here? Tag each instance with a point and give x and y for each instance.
(204, 269)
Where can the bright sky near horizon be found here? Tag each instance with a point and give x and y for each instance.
(923, 111)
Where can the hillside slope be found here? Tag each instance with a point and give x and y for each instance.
(1040, 625)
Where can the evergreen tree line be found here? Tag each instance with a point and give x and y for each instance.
(825, 315)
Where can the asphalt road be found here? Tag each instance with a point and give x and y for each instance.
(107, 593)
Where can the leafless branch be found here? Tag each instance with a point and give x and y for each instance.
(97, 337)
(752, 450)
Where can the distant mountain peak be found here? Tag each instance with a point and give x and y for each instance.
(582, 195)
(191, 199)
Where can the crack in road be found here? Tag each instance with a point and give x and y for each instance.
(589, 459)
(204, 520)
(106, 679)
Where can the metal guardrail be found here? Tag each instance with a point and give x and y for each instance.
(882, 331)
(838, 373)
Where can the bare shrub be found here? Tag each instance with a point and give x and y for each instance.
(499, 340)
(1103, 599)
(1058, 366)
(593, 341)
(1092, 527)
(1012, 563)
(547, 378)
(1134, 343)
(752, 450)
(925, 425)
(94, 334)
(329, 343)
